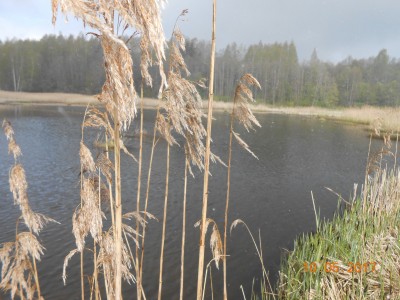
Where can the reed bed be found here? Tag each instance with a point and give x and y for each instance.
(365, 232)
(179, 113)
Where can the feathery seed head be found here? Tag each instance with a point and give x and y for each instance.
(163, 126)
(182, 104)
(14, 149)
(34, 221)
(143, 15)
(216, 245)
(105, 166)
(18, 184)
(8, 130)
(12, 145)
(244, 95)
(85, 155)
(97, 119)
(28, 245)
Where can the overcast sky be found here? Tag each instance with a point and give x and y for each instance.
(336, 28)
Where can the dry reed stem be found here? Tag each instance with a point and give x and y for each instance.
(139, 182)
(112, 202)
(208, 267)
(207, 160)
(164, 225)
(118, 210)
(183, 230)
(228, 189)
(147, 196)
(79, 228)
(95, 275)
(36, 275)
(106, 259)
(95, 271)
(242, 113)
(258, 250)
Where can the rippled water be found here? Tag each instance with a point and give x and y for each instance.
(297, 155)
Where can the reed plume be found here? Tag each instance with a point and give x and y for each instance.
(215, 240)
(216, 251)
(118, 93)
(184, 104)
(181, 104)
(19, 273)
(180, 111)
(242, 113)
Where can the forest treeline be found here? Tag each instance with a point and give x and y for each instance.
(75, 65)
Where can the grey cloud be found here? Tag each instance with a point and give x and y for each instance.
(337, 28)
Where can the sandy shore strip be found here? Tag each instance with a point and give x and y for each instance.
(385, 118)
(22, 98)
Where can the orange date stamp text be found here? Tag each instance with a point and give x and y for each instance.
(334, 267)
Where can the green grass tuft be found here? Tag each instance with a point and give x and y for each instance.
(365, 232)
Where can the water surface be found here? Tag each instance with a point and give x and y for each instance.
(296, 154)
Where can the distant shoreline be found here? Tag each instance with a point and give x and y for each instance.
(387, 119)
(23, 98)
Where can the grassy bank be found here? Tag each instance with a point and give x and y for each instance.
(354, 256)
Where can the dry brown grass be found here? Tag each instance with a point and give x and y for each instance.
(388, 118)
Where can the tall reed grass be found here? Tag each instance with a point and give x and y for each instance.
(241, 113)
(117, 249)
(19, 273)
(207, 158)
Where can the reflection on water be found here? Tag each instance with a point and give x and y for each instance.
(297, 155)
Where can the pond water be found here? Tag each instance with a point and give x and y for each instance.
(296, 154)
